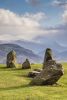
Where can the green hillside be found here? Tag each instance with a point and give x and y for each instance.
(14, 85)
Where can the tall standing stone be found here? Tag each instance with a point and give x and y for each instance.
(47, 57)
(11, 59)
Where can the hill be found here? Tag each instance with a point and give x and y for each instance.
(22, 53)
(59, 49)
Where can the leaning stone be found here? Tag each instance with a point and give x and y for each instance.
(49, 75)
(48, 56)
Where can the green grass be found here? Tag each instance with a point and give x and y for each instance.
(14, 85)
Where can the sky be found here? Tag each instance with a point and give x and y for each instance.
(40, 21)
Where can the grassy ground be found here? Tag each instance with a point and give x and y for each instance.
(14, 85)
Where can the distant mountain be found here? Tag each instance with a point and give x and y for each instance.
(62, 56)
(59, 51)
(37, 55)
(59, 56)
(22, 53)
(38, 47)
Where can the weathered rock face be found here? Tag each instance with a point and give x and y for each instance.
(48, 56)
(50, 74)
(11, 59)
(26, 64)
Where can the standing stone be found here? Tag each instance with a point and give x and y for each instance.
(50, 74)
(11, 59)
(26, 64)
(48, 56)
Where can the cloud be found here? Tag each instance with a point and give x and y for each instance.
(59, 3)
(25, 26)
(56, 2)
(57, 33)
(65, 17)
(29, 27)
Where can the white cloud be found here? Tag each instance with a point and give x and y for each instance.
(63, 4)
(13, 26)
(56, 2)
(27, 26)
(65, 16)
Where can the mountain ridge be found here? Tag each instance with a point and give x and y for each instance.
(22, 53)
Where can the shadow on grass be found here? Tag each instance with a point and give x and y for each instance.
(12, 69)
(3, 67)
(27, 86)
(22, 75)
(16, 87)
(9, 69)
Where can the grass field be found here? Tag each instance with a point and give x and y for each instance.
(14, 85)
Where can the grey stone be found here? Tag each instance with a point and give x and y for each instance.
(32, 74)
(49, 75)
(38, 70)
(48, 56)
(26, 64)
(11, 59)
(51, 71)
